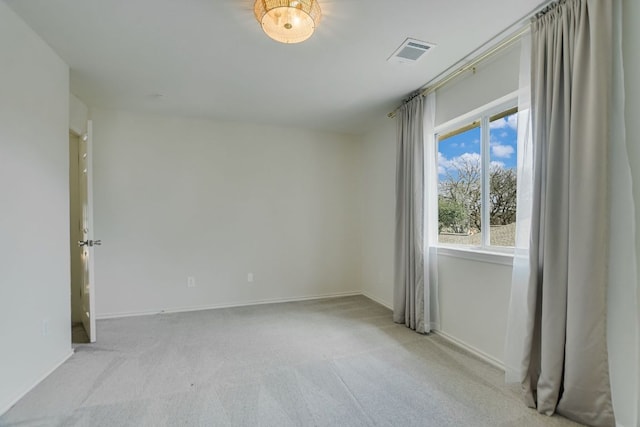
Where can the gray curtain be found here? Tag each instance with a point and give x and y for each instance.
(570, 82)
(408, 297)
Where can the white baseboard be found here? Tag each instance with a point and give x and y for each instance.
(378, 300)
(229, 305)
(24, 393)
(471, 349)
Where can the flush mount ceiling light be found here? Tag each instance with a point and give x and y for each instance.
(288, 21)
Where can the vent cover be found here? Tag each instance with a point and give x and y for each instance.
(410, 51)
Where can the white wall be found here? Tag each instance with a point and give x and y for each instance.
(474, 298)
(34, 223)
(78, 115)
(178, 197)
(496, 77)
(378, 207)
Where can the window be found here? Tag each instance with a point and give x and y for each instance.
(477, 171)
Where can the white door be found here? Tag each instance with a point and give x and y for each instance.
(86, 227)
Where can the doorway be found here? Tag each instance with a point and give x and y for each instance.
(81, 247)
(78, 334)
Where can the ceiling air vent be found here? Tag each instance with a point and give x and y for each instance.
(410, 51)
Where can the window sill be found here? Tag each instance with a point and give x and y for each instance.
(479, 255)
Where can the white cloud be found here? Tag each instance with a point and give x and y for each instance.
(461, 162)
(505, 122)
(443, 164)
(458, 162)
(502, 151)
(466, 158)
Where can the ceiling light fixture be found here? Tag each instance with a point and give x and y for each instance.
(288, 21)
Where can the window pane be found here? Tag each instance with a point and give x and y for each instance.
(502, 178)
(459, 183)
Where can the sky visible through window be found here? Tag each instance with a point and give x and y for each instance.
(466, 145)
(504, 139)
(462, 204)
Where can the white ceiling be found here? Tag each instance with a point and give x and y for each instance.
(210, 58)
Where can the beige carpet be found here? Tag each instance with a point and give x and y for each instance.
(331, 362)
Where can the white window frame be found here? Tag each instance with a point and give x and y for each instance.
(485, 252)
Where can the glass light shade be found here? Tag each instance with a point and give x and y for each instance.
(288, 21)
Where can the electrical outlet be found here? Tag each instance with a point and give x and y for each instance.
(45, 327)
(250, 277)
(191, 282)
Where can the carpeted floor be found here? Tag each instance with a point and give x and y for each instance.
(331, 362)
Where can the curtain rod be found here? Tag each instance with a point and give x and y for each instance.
(469, 66)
